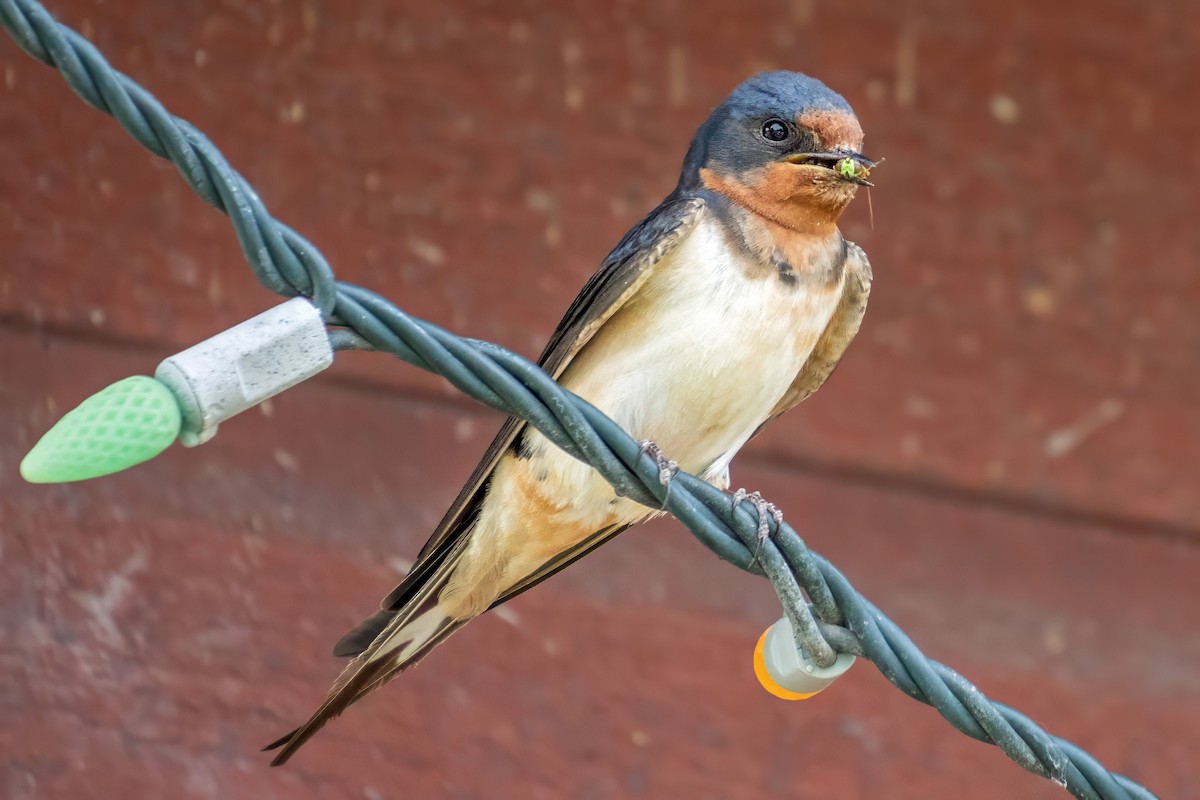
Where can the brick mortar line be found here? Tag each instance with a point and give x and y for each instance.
(1097, 521)
(1124, 525)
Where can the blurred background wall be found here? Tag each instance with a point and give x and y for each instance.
(1006, 462)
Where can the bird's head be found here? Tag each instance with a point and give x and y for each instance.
(783, 145)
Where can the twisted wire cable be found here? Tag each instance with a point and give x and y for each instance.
(839, 618)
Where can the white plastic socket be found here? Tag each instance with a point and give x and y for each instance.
(239, 368)
(785, 667)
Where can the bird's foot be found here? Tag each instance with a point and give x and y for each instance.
(763, 508)
(666, 467)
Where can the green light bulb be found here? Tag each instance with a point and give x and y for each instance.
(131, 421)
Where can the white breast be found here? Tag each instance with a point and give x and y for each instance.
(699, 357)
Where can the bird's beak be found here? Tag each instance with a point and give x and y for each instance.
(848, 165)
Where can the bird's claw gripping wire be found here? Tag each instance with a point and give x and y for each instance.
(667, 469)
(764, 509)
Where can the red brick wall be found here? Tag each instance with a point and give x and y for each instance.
(1006, 462)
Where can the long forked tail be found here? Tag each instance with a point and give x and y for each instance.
(402, 648)
(411, 633)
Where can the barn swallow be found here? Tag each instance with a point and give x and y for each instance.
(729, 304)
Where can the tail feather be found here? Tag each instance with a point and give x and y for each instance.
(404, 636)
(363, 634)
(398, 650)
(281, 741)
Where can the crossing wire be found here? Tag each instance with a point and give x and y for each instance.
(835, 618)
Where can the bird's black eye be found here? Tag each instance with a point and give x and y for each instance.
(775, 130)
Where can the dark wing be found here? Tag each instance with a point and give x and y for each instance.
(620, 276)
(838, 333)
